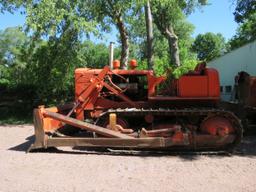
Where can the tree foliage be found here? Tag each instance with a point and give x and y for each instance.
(169, 17)
(42, 58)
(209, 46)
(46, 66)
(245, 15)
(93, 55)
(114, 12)
(244, 9)
(12, 62)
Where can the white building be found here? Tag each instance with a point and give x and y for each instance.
(241, 59)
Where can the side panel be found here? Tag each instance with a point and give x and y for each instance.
(213, 82)
(82, 81)
(193, 86)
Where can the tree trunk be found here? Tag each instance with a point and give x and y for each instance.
(173, 46)
(124, 42)
(149, 26)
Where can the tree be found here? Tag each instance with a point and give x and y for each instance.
(93, 55)
(150, 36)
(246, 33)
(162, 57)
(12, 45)
(245, 15)
(49, 17)
(209, 46)
(51, 66)
(113, 12)
(56, 27)
(244, 9)
(167, 16)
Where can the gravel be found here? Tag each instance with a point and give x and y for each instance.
(66, 170)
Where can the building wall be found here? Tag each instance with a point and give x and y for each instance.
(241, 59)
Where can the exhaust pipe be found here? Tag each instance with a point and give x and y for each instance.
(111, 54)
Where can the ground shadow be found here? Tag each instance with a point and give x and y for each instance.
(246, 148)
(24, 146)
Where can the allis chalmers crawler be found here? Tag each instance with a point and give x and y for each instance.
(127, 109)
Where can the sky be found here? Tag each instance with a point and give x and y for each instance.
(216, 17)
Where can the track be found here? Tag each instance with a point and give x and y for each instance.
(186, 114)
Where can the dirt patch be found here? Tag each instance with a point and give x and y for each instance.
(76, 171)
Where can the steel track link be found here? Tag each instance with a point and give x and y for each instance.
(186, 112)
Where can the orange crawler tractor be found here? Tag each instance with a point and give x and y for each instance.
(134, 109)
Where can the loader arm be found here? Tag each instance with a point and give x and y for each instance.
(91, 93)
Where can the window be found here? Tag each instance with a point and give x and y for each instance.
(228, 89)
(221, 89)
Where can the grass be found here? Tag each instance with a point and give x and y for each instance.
(15, 120)
(15, 116)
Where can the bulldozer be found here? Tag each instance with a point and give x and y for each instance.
(243, 101)
(134, 109)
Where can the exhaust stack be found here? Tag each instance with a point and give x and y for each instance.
(111, 54)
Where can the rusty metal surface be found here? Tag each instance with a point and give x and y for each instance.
(252, 100)
(86, 126)
(201, 141)
(124, 141)
(245, 89)
(187, 112)
(115, 142)
(96, 94)
(167, 132)
(40, 136)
